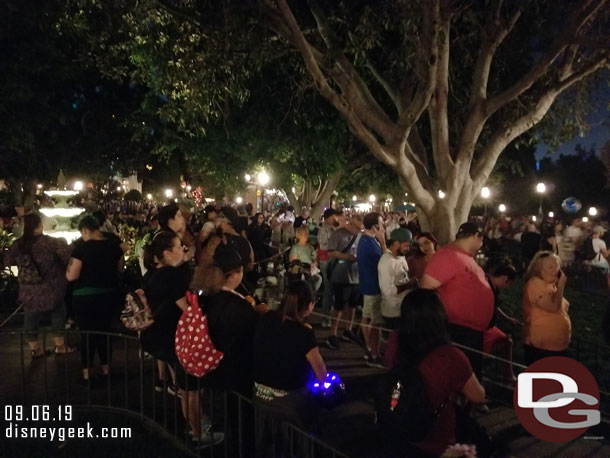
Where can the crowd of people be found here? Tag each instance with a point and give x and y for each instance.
(421, 295)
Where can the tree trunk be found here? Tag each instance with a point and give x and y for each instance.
(315, 201)
(445, 218)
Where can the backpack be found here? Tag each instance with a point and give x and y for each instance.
(586, 250)
(194, 347)
(403, 409)
(136, 316)
(28, 270)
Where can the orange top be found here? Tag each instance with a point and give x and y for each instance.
(543, 329)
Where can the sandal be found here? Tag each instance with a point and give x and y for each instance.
(39, 353)
(64, 349)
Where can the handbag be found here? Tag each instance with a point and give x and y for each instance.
(194, 347)
(333, 262)
(136, 316)
(29, 274)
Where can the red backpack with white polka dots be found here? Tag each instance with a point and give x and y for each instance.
(194, 347)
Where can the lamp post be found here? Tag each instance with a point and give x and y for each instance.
(540, 189)
(485, 193)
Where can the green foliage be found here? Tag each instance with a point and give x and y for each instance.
(8, 281)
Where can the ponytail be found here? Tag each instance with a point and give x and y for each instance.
(297, 299)
(153, 252)
(31, 222)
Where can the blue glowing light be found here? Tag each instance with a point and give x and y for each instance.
(329, 393)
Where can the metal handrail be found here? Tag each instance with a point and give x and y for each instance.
(143, 401)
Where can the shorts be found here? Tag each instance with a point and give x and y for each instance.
(372, 309)
(491, 337)
(392, 323)
(346, 294)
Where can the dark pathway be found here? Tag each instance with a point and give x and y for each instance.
(349, 428)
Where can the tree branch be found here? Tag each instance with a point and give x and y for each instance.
(419, 149)
(438, 109)
(188, 16)
(495, 33)
(429, 58)
(348, 78)
(387, 87)
(586, 11)
(568, 60)
(339, 102)
(501, 138)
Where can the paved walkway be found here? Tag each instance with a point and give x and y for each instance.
(349, 428)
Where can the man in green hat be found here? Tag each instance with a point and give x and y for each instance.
(394, 280)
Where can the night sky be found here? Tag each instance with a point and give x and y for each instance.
(597, 135)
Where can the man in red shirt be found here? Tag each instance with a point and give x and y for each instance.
(464, 290)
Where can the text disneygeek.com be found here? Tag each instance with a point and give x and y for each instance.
(61, 433)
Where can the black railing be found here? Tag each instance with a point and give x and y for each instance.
(129, 388)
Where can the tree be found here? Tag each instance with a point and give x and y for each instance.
(404, 76)
(57, 112)
(435, 89)
(33, 83)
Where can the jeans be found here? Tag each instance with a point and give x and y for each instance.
(470, 338)
(32, 320)
(327, 294)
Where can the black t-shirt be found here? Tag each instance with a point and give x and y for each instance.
(300, 221)
(241, 245)
(100, 260)
(232, 321)
(163, 287)
(279, 352)
(530, 244)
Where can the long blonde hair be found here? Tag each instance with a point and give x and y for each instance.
(535, 267)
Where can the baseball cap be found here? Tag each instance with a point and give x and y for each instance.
(599, 229)
(401, 235)
(230, 214)
(468, 229)
(330, 212)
